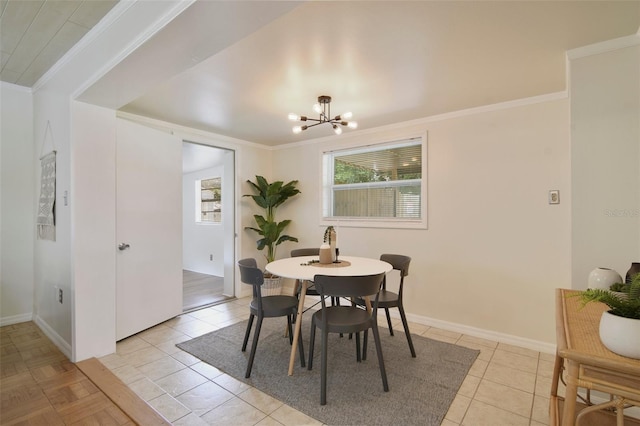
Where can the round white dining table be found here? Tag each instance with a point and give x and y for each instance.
(304, 268)
(300, 268)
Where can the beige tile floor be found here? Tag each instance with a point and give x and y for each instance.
(507, 385)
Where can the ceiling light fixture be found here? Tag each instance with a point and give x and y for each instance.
(323, 108)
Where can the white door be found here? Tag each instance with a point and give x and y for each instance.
(149, 228)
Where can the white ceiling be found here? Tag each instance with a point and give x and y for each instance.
(36, 33)
(237, 68)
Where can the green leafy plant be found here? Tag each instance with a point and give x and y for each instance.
(327, 234)
(624, 302)
(269, 196)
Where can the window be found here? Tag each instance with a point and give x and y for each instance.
(377, 185)
(209, 200)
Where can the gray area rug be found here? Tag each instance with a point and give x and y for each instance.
(421, 389)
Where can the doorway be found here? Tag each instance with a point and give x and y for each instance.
(208, 224)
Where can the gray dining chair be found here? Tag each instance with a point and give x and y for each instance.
(389, 299)
(265, 307)
(345, 319)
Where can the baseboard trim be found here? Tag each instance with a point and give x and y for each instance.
(481, 333)
(16, 319)
(53, 336)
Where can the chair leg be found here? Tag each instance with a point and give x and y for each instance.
(289, 330)
(246, 334)
(323, 369)
(383, 371)
(335, 301)
(406, 330)
(364, 345)
(312, 341)
(254, 345)
(386, 311)
(358, 357)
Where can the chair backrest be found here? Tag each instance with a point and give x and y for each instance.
(249, 261)
(310, 251)
(398, 261)
(250, 274)
(350, 286)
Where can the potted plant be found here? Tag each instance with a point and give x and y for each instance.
(269, 196)
(620, 325)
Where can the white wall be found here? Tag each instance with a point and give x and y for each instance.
(17, 205)
(94, 230)
(200, 240)
(53, 260)
(128, 26)
(605, 119)
(494, 250)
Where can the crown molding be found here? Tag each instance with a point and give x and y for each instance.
(112, 16)
(187, 134)
(605, 46)
(17, 87)
(435, 118)
(117, 13)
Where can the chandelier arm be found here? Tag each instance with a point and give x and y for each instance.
(323, 107)
(316, 124)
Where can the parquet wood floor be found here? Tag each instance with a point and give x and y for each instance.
(40, 386)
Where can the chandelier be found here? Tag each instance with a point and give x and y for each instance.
(323, 107)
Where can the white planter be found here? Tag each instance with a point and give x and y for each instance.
(603, 278)
(620, 335)
(271, 286)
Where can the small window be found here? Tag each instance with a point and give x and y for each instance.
(377, 185)
(210, 200)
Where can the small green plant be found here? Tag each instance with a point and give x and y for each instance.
(619, 287)
(327, 234)
(269, 196)
(625, 305)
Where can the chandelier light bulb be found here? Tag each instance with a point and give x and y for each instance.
(352, 124)
(297, 129)
(347, 115)
(337, 129)
(317, 108)
(294, 117)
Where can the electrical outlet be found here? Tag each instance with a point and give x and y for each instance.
(60, 295)
(210, 257)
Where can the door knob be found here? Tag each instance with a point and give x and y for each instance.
(123, 246)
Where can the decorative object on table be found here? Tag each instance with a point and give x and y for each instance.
(269, 197)
(602, 278)
(632, 272)
(620, 326)
(331, 238)
(323, 107)
(325, 254)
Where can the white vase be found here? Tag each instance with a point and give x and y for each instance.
(603, 278)
(620, 335)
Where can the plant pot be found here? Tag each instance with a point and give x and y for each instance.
(603, 278)
(272, 286)
(620, 335)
